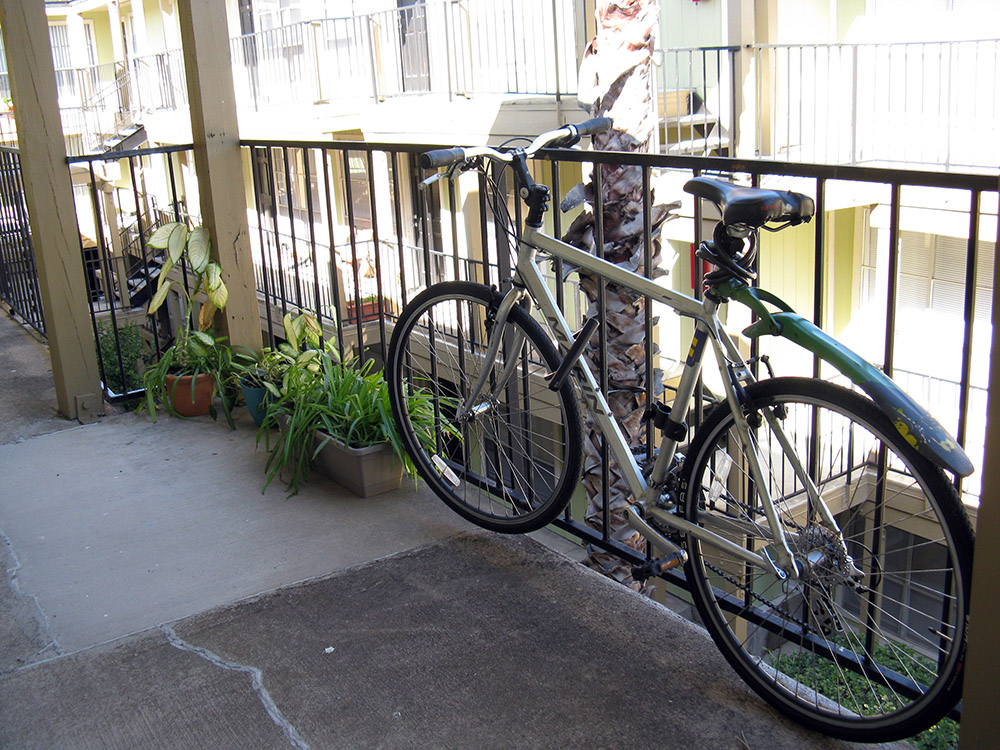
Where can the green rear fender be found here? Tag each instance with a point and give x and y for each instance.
(914, 423)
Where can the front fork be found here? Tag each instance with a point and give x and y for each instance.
(472, 403)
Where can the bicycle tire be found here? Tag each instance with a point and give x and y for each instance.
(904, 614)
(518, 458)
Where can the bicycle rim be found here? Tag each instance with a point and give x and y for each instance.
(869, 652)
(512, 463)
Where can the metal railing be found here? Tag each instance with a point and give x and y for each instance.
(120, 269)
(695, 104)
(340, 223)
(919, 103)
(18, 273)
(454, 242)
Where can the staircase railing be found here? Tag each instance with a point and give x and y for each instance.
(695, 103)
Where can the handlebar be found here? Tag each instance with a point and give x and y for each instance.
(564, 136)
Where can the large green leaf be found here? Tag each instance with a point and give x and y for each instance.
(168, 266)
(213, 276)
(204, 338)
(199, 246)
(159, 297)
(293, 330)
(215, 288)
(175, 246)
(161, 237)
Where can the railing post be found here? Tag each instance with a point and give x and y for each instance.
(555, 57)
(316, 30)
(854, 105)
(447, 50)
(374, 57)
(51, 209)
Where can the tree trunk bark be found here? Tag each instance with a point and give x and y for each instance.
(616, 81)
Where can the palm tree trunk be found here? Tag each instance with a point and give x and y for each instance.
(615, 79)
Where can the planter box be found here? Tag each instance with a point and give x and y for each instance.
(364, 471)
(369, 311)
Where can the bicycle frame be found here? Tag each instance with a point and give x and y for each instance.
(528, 278)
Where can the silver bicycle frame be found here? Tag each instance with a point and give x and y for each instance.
(707, 328)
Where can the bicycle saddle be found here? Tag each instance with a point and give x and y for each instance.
(752, 207)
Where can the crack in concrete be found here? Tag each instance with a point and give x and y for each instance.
(41, 618)
(256, 679)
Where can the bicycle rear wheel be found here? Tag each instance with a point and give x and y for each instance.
(512, 463)
(868, 644)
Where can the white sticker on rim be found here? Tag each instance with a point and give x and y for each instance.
(445, 470)
(724, 462)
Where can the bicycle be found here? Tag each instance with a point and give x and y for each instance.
(828, 555)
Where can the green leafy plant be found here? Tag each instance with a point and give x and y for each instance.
(304, 338)
(194, 351)
(121, 376)
(347, 402)
(828, 678)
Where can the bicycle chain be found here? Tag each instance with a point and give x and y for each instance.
(758, 597)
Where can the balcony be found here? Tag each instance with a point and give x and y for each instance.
(328, 225)
(163, 605)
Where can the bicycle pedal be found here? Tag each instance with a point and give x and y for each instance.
(670, 561)
(652, 568)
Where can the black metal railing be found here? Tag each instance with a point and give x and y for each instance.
(352, 235)
(343, 229)
(121, 270)
(337, 224)
(18, 273)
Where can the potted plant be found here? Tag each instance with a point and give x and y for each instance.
(262, 376)
(367, 306)
(198, 363)
(336, 417)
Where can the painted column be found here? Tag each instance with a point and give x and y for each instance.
(51, 209)
(215, 131)
(982, 664)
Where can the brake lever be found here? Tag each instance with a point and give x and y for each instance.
(462, 166)
(424, 184)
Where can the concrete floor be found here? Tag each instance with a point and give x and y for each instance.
(156, 598)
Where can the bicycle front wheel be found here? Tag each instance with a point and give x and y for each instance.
(868, 643)
(510, 461)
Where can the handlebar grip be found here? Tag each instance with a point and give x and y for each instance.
(596, 125)
(442, 157)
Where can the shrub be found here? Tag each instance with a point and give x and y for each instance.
(126, 375)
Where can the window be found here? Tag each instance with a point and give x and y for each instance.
(931, 272)
(913, 587)
(361, 204)
(273, 14)
(297, 203)
(62, 60)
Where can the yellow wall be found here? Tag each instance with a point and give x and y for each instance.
(102, 35)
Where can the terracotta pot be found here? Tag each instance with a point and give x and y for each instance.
(180, 396)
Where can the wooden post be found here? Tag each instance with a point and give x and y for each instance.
(51, 210)
(982, 663)
(208, 69)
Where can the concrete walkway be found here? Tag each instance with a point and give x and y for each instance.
(156, 598)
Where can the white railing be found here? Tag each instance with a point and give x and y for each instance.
(929, 103)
